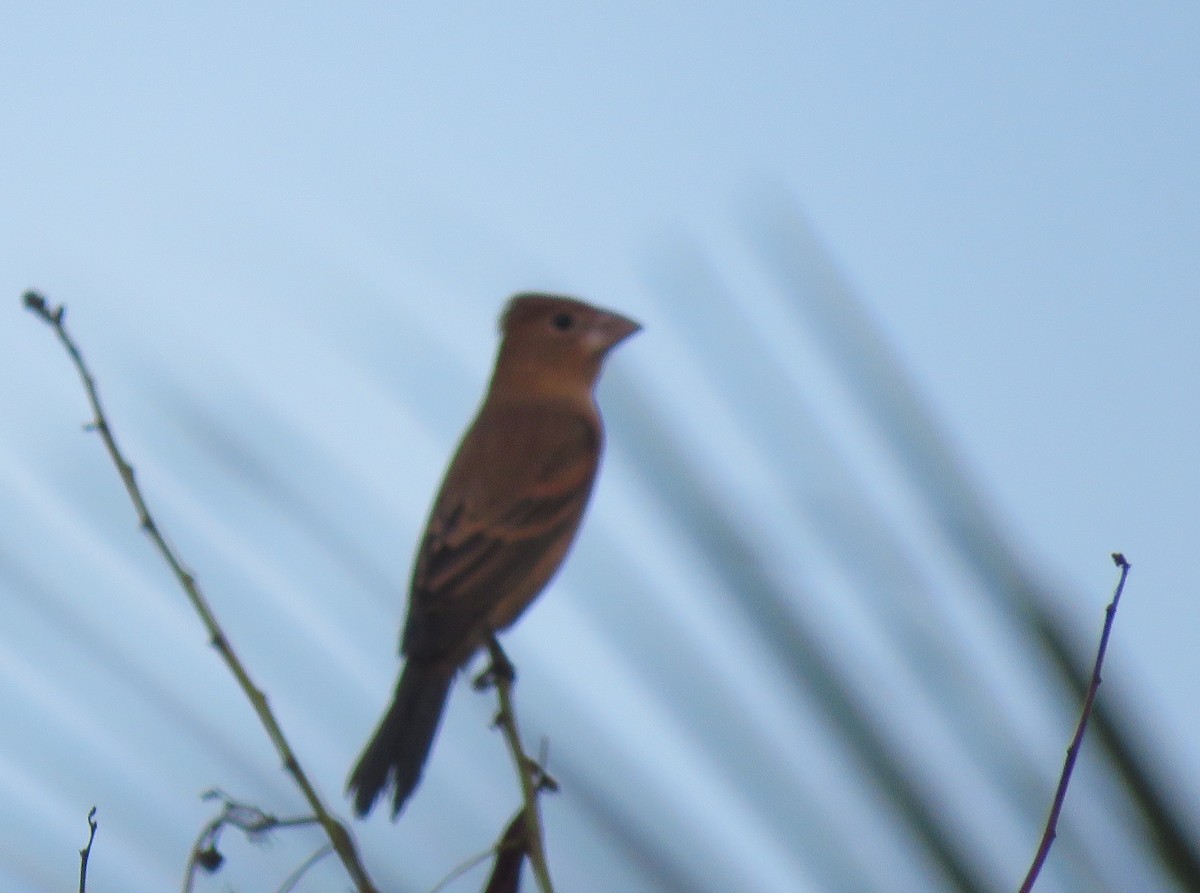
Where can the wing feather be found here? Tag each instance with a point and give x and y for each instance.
(514, 492)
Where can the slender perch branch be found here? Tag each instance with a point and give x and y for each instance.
(1060, 795)
(339, 837)
(533, 777)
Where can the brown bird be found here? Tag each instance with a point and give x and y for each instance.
(506, 514)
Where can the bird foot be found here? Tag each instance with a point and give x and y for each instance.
(499, 668)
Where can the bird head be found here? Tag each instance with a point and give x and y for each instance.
(555, 343)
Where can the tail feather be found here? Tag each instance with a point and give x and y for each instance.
(397, 752)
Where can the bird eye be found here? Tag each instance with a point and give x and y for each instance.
(562, 321)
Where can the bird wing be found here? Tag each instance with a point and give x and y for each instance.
(507, 511)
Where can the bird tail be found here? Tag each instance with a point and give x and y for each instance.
(397, 752)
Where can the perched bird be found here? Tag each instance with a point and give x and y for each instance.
(506, 514)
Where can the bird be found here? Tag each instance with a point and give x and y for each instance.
(504, 518)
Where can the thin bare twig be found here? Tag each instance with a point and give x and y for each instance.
(1060, 795)
(461, 869)
(296, 876)
(87, 850)
(510, 851)
(338, 835)
(478, 859)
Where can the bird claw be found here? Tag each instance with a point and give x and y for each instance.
(499, 668)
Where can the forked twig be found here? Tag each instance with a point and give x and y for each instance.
(86, 852)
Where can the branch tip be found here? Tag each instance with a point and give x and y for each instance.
(86, 852)
(34, 301)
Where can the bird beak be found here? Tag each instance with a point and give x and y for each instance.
(611, 330)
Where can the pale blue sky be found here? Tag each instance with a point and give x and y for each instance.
(306, 221)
